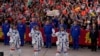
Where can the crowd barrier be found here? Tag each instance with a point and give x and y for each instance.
(83, 40)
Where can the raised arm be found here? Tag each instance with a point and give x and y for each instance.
(9, 33)
(30, 34)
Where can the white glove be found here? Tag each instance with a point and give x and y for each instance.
(11, 41)
(67, 44)
(30, 35)
(33, 42)
(57, 42)
(53, 35)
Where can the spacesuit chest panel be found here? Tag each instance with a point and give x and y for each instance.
(14, 36)
(62, 37)
(37, 36)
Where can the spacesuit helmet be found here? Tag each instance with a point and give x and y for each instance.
(14, 26)
(61, 28)
(36, 27)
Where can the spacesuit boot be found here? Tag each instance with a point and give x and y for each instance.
(35, 53)
(58, 54)
(19, 52)
(11, 52)
(65, 54)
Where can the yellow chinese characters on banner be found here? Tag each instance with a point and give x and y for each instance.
(87, 38)
(70, 39)
(1, 33)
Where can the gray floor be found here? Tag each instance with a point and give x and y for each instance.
(28, 51)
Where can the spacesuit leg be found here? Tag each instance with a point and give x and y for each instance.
(58, 51)
(35, 53)
(65, 51)
(65, 54)
(11, 52)
(35, 50)
(57, 54)
(12, 49)
(19, 52)
(39, 49)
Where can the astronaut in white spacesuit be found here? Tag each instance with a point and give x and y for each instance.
(62, 42)
(37, 40)
(14, 40)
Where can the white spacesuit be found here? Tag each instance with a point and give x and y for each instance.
(14, 41)
(37, 41)
(62, 43)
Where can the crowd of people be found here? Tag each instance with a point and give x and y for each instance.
(85, 11)
(49, 14)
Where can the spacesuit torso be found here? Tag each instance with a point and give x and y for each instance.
(62, 40)
(14, 38)
(37, 40)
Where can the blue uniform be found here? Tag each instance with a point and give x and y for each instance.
(55, 22)
(75, 32)
(48, 32)
(5, 29)
(32, 24)
(21, 28)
